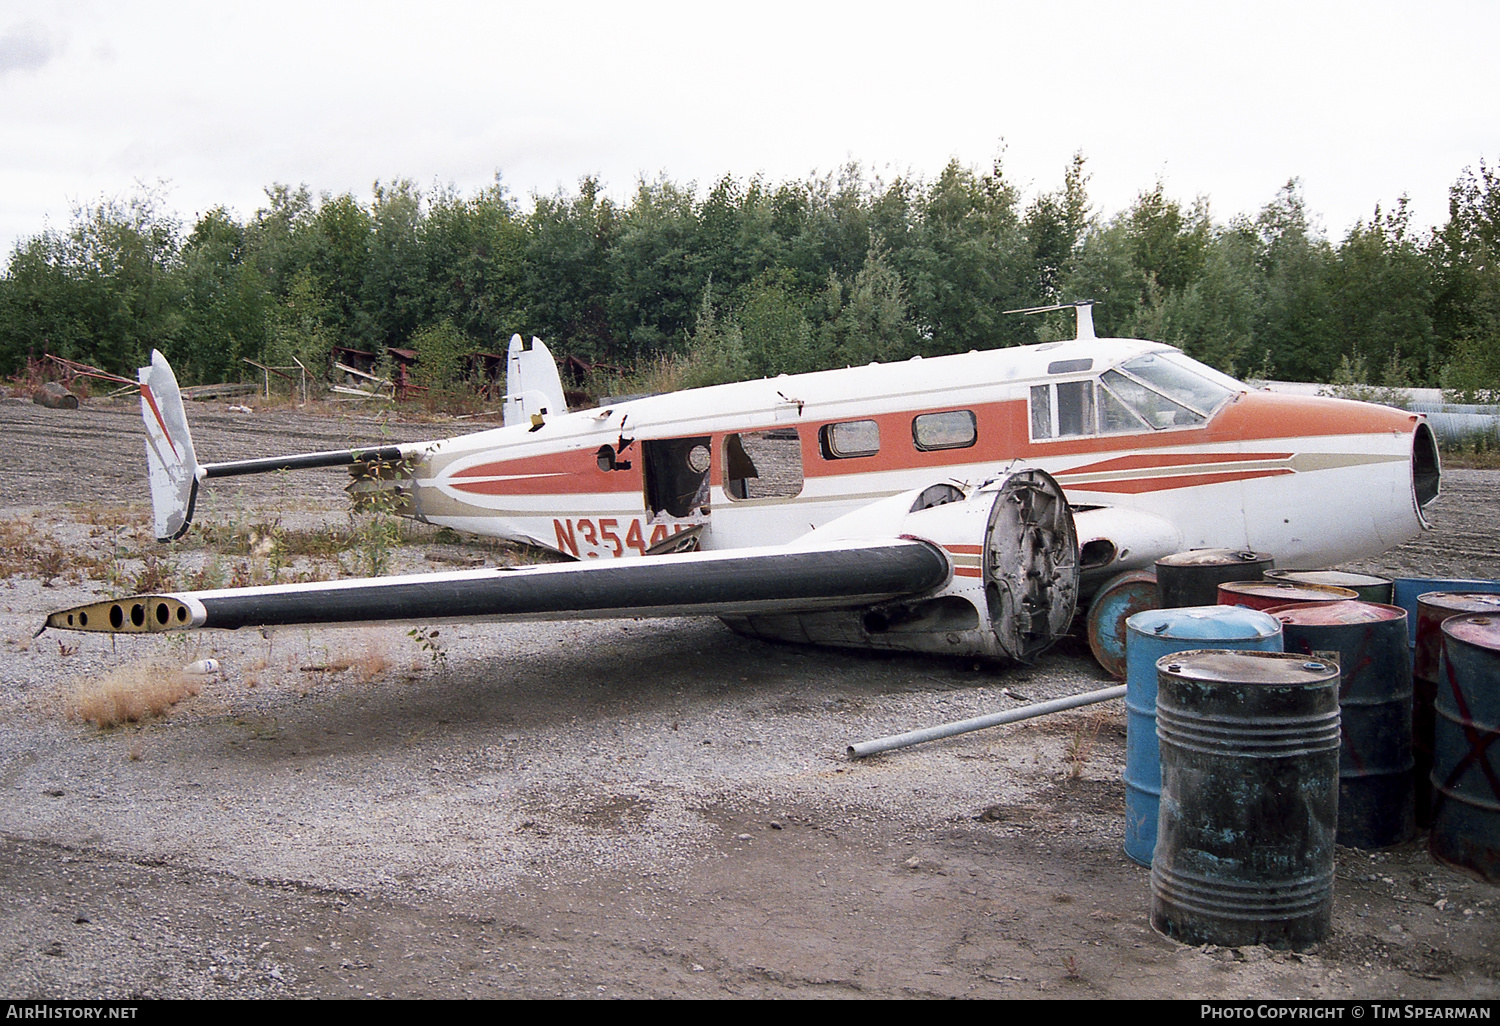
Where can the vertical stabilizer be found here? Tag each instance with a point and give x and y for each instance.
(532, 385)
(1085, 315)
(169, 449)
(1083, 312)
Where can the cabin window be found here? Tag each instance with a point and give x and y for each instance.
(1041, 411)
(1063, 410)
(763, 464)
(954, 429)
(849, 439)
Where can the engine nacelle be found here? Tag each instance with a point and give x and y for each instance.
(1013, 586)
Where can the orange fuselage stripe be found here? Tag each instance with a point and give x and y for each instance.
(1002, 435)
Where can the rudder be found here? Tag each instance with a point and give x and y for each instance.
(170, 460)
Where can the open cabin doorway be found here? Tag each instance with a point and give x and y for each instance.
(676, 476)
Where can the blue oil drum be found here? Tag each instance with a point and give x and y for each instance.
(1249, 800)
(1407, 590)
(1466, 748)
(1433, 608)
(1192, 578)
(1369, 587)
(1122, 597)
(1149, 636)
(1368, 641)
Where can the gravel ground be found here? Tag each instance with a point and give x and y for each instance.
(639, 809)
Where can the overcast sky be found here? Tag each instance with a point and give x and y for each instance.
(1362, 101)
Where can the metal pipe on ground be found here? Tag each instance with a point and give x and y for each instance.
(1026, 712)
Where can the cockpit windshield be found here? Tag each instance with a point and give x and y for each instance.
(1152, 392)
(1184, 380)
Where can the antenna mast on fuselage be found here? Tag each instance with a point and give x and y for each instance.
(1084, 309)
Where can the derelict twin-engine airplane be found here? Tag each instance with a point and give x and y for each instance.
(957, 504)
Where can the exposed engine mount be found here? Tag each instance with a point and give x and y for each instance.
(1013, 587)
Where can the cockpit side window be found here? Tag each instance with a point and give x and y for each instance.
(1115, 417)
(1075, 408)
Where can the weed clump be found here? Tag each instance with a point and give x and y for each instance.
(131, 693)
(25, 551)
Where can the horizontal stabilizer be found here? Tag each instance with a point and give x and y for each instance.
(305, 461)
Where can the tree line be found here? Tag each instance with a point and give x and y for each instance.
(749, 278)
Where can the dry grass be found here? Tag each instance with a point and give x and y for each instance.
(365, 663)
(371, 663)
(113, 517)
(131, 693)
(27, 551)
(264, 539)
(1083, 742)
(1070, 968)
(1471, 458)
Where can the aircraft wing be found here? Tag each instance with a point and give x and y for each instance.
(835, 575)
(987, 570)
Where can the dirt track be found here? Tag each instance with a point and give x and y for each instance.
(622, 809)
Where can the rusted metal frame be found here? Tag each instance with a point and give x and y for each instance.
(75, 369)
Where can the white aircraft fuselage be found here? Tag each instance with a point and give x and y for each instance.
(1314, 481)
(958, 504)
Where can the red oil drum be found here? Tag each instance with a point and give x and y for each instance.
(1433, 608)
(1466, 755)
(1269, 594)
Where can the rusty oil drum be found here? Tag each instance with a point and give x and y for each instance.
(1122, 597)
(1249, 801)
(1192, 578)
(1269, 594)
(1150, 635)
(1466, 755)
(1369, 587)
(1433, 608)
(1368, 641)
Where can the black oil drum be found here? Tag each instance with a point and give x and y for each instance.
(1192, 578)
(1249, 800)
(1369, 587)
(1368, 640)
